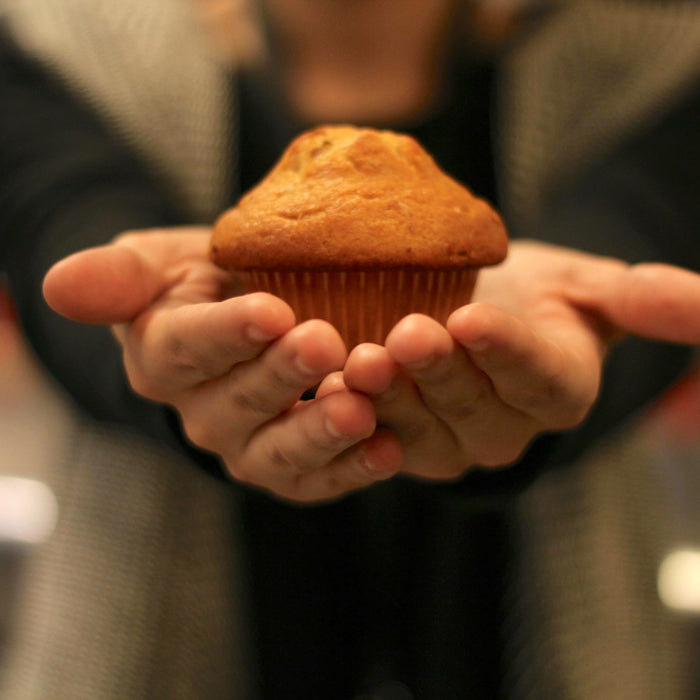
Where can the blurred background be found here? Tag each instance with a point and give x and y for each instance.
(34, 421)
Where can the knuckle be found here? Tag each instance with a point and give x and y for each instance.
(429, 434)
(239, 471)
(454, 469)
(323, 442)
(200, 433)
(469, 406)
(179, 354)
(442, 467)
(571, 413)
(260, 398)
(415, 434)
(578, 413)
(146, 378)
(500, 455)
(281, 378)
(560, 407)
(300, 496)
(126, 238)
(251, 400)
(280, 459)
(145, 386)
(202, 427)
(536, 402)
(179, 351)
(462, 412)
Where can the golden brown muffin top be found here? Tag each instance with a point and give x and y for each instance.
(343, 197)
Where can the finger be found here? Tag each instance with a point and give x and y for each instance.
(555, 383)
(448, 382)
(223, 414)
(305, 455)
(188, 344)
(101, 285)
(113, 283)
(652, 300)
(370, 369)
(377, 458)
(429, 447)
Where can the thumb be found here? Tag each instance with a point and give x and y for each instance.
(114, 283)
(106, 285)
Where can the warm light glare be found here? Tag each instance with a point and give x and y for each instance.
(28, 511)
(679, 580)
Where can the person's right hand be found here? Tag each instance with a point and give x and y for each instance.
(234, 367)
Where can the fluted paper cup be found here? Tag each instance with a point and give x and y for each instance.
(364, 305)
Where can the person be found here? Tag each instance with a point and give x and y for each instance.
(415, 453)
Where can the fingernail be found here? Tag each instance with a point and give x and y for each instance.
(367, 464)
(303, 367)
(259, 335)
(332, 429)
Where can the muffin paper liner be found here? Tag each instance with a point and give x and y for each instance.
(365, 305)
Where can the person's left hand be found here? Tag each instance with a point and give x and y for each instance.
(524, 358)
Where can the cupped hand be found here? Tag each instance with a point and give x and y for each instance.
(525, 357)
(233, 365)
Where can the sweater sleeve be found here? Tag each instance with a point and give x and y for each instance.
(66, 183)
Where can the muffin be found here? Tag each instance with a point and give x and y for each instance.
(360, 227)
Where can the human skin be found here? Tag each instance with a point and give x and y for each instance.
(433, 401)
